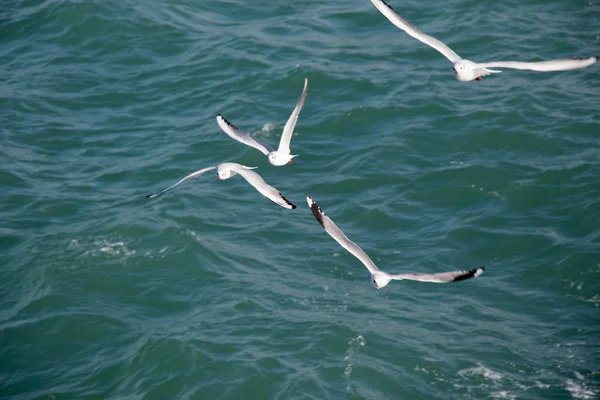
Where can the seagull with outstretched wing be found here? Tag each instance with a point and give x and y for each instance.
(379, 277)
(227, 170)
(278, 157)
(466, 70)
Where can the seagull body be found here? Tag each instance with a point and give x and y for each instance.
(278, 157)
(380, 278)
(466, 70)
(227, 170)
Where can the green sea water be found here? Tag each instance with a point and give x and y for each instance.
(213, 292)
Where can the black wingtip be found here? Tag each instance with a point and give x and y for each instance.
(287, 201)
(388, 6)
(316, 210)
(149, 196)
(470, 274)
(583, 58)
(222, 118)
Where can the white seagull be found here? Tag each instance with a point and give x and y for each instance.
(227, 170)
(466, 70)
(378, 277)
(280, 157)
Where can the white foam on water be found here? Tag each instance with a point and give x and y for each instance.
(579, 390)
(541, 385)
(579, 376)
(268, 127)
(431, 371)
(574, 284)
(194, 235)
(481, 370)
(349, 359)
(421, 369)
(503, 394)
(114, 249)
(495, 385)
(595, 300)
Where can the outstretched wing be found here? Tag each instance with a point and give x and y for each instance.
(259, 184)
(442, 277)
(339, 236)
(412, 30)
(288, 130)
(243, 137)
(564, 64)
(190, 176)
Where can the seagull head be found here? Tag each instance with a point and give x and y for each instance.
(379, 280)
(461, 71)
(224, 173)
(278, 159)
(465, 70)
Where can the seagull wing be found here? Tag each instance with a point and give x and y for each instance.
(412, 30)
(442, 277)
(339, 236)
(288, 130)
(544, 66)
(190, 176)
(259, 184)
(243, 137)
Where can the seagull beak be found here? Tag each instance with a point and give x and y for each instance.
(455, 72)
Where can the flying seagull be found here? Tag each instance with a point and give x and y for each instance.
(282, 155)
(466, 70)
(227, 170)
(378, 277)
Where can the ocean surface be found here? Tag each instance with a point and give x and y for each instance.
(211, 291)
